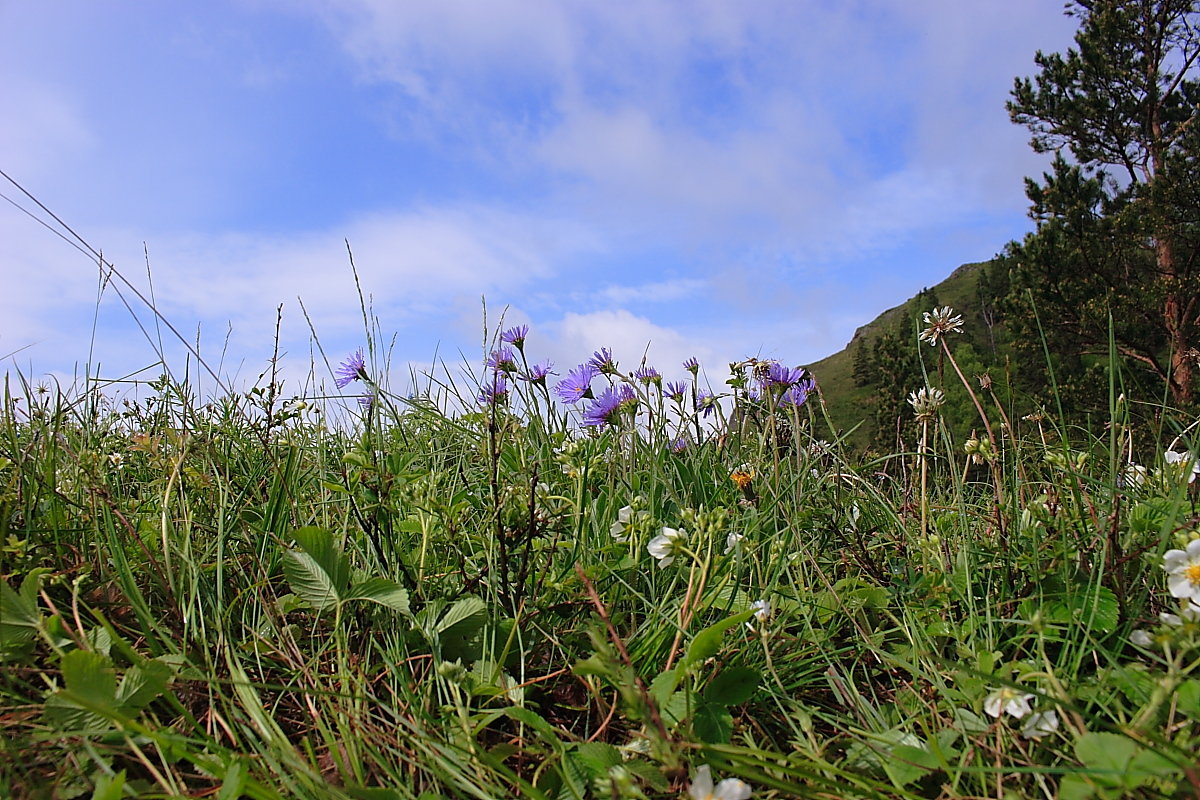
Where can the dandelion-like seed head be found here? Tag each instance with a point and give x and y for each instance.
(939, 322)
(926, 402)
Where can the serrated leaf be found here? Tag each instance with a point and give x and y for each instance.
(18, 619)
(713, 724)
(460, 612)
(733, 686)
(382, 591)
(89, 700)
(309, 581)
(909, 763)
(708, 641)
(319, 543)
(142, 684)
(598, 757)
(109, 787)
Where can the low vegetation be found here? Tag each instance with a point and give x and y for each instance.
(600, 583)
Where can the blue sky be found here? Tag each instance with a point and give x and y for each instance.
(718, 179)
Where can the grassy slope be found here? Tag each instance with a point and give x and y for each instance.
(848, 404)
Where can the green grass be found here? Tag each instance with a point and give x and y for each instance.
(264, 596)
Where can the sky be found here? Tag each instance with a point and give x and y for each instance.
(706, 178)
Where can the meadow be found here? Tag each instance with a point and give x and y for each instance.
(594, 581)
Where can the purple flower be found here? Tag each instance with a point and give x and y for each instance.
(676, 390)
(603, 361)
(781, 375)
(605, 409)
(495, 390)
(577, 384)
(648, 375)
(352, 369)
(515, 335)
(796, 395)
(679, 446)
(692, 365)
(366, 400)
(502, 360)
(706, 402)
(538, 372)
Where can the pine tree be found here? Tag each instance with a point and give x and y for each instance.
(1118, 224)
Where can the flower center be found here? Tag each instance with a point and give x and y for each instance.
(1192, 573)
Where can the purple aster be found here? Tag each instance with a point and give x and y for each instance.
(515, 335)
(679, 446)
(605, 409)
(494, 391)
(797, 394)
(577, 384)
(676, 390)
(706, 402)
(502, 359)
(366, 400)
(538, 372)
(692, 365)
(648, 375)
(352, 369)
(603, 361)
(781, 375)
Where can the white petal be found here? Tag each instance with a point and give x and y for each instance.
(731, 789)
(702, 785)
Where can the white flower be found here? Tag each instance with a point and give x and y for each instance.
(734, 542)
(1007, 701)
(1183, 571)
(1187, 463)
(762, 612)
(626, 518)
(1133, 476)
(1141, 638)
(1040, 724)
(941, 321)
(728, 789)
(116, 459)
(666, 546)
(926, 402)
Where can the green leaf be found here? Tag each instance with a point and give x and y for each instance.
(713, 724)
(19, 619)
(909, 763)
(461, 611)
(310, 581)
(1106, 755)
(88, 703)
(109, 787)
(382, 591)
(142, 684)
(733, 686)
(597, 757)
(708, 641)
(664, 685)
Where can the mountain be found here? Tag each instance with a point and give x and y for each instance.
(852, 407)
